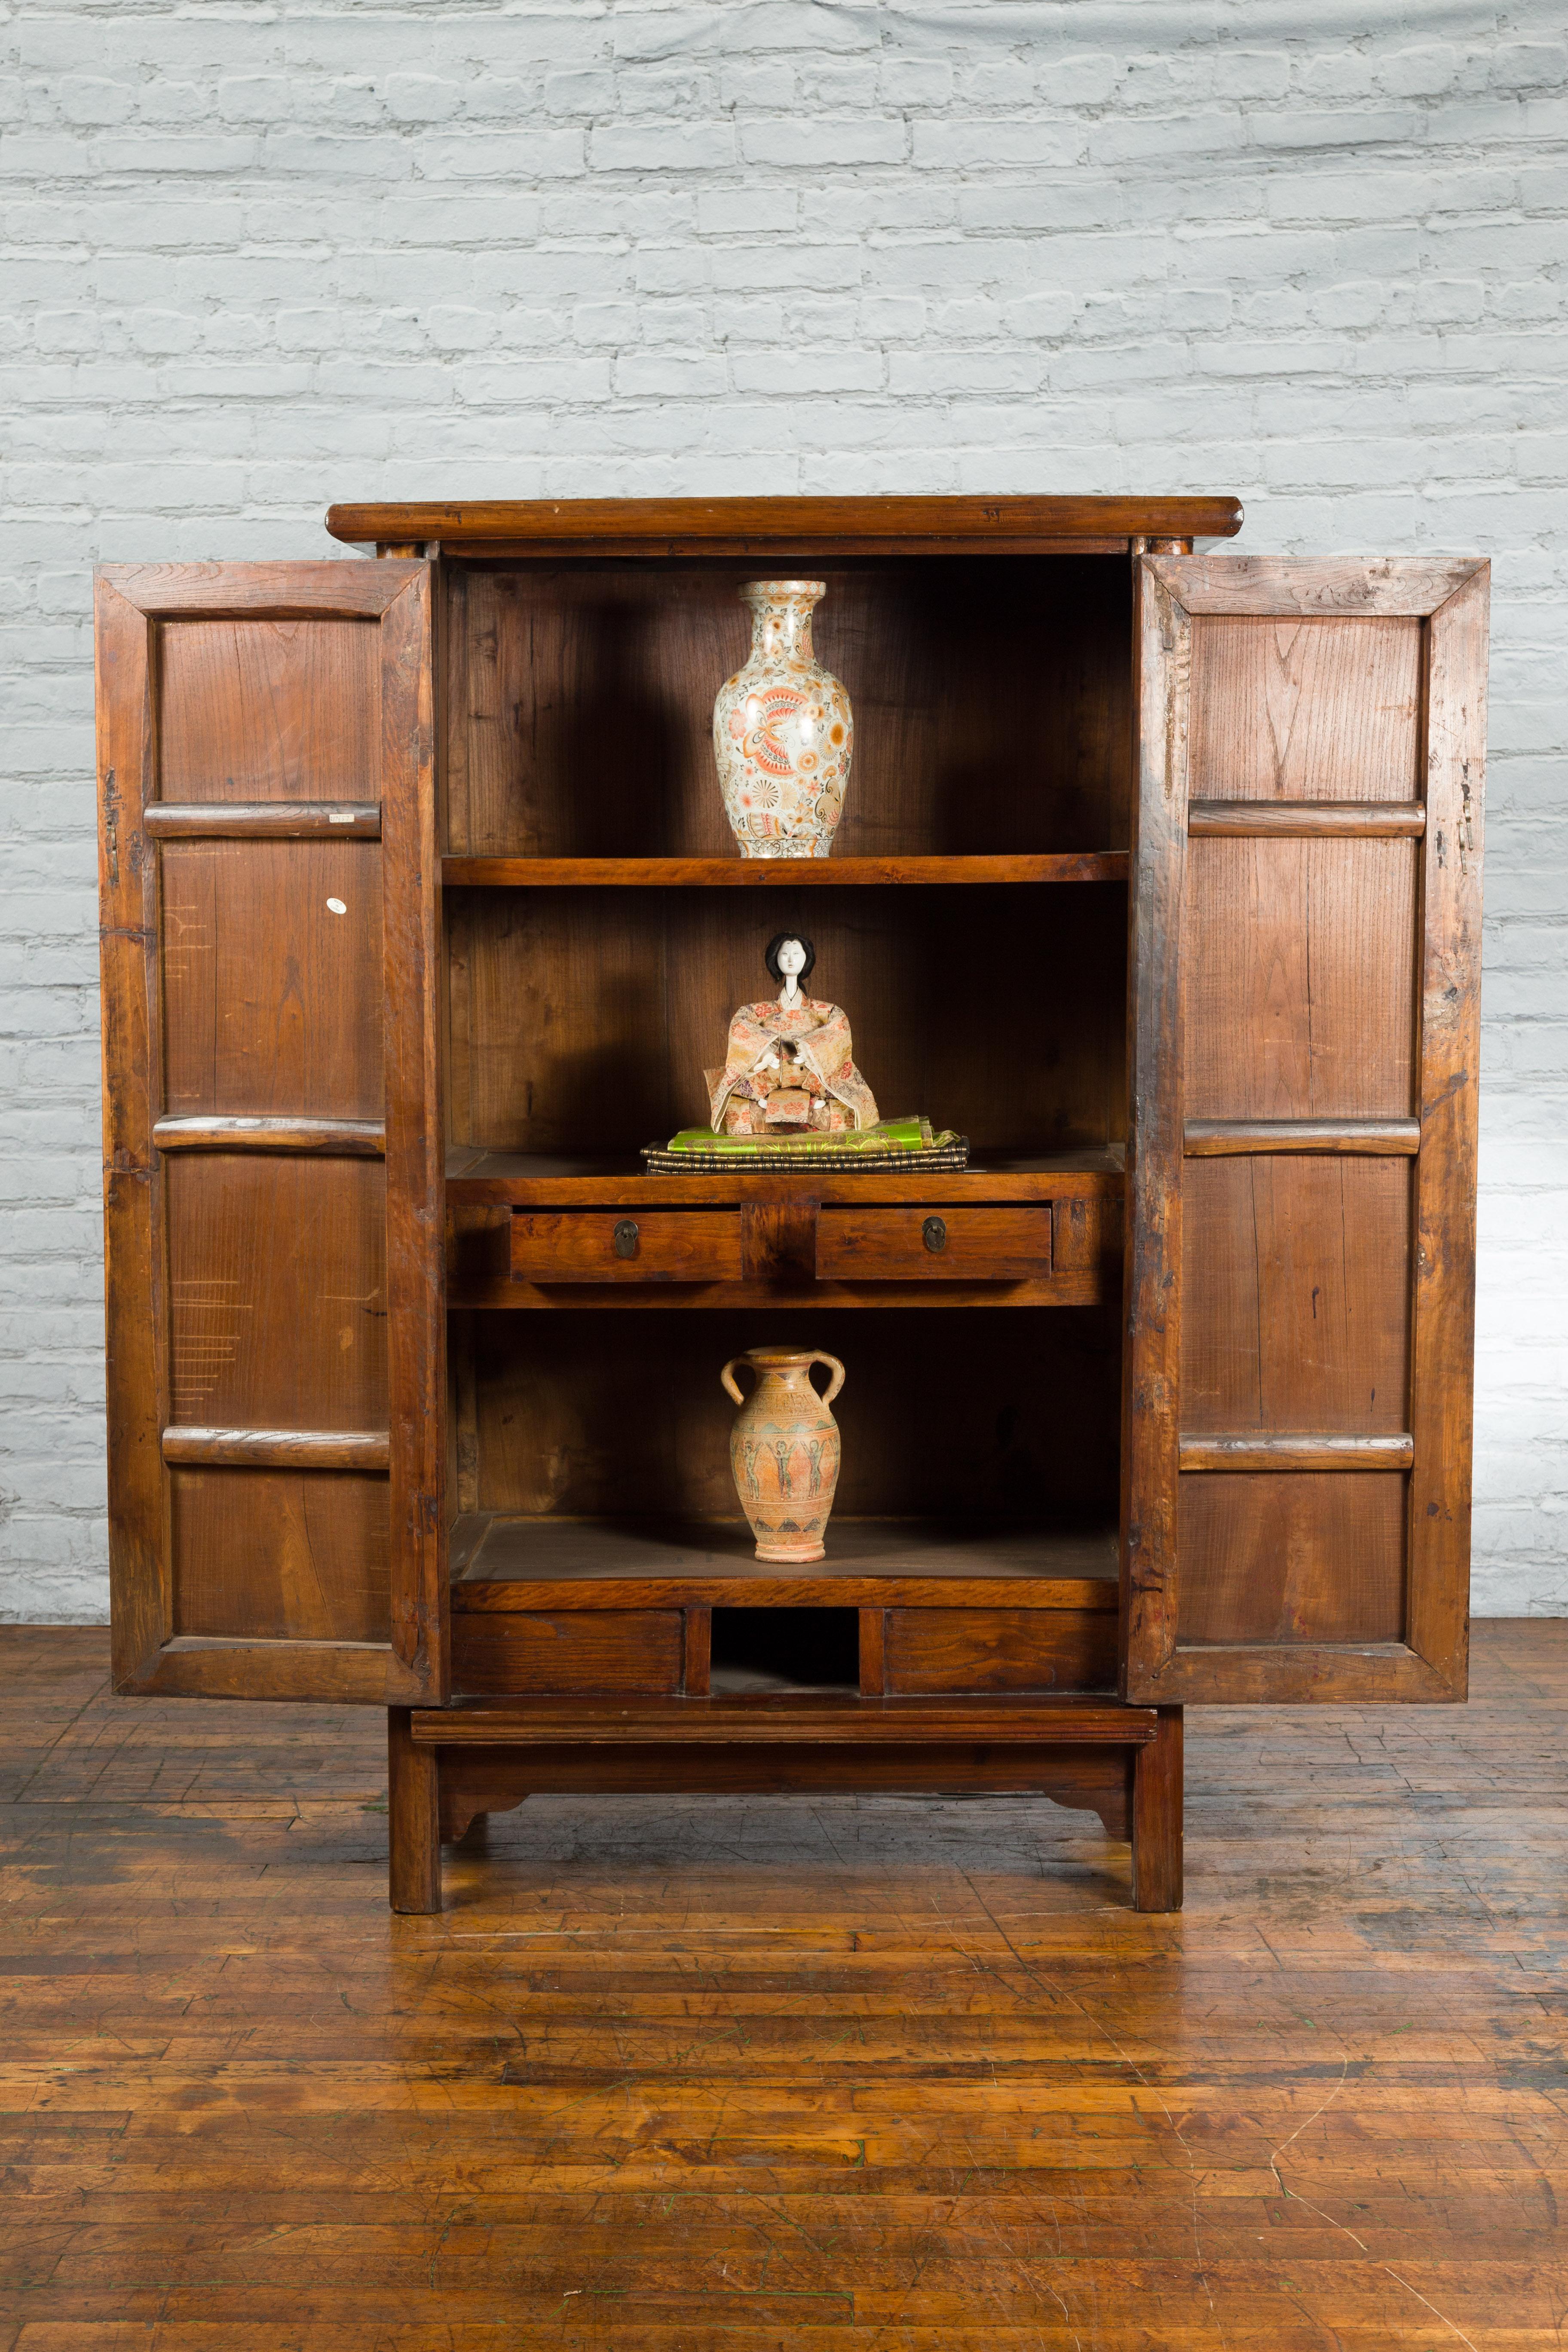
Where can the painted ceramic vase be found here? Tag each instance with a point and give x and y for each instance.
(783, 1450)
(783, 731)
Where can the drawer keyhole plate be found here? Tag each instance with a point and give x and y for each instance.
(627, 1238)
(933, 1232)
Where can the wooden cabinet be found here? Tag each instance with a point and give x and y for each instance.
(1159, 878)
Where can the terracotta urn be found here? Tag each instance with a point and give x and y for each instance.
(783, 731)
(783, 1449)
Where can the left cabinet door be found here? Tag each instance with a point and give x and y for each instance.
(269, 890)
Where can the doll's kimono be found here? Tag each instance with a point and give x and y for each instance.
(815, 1088)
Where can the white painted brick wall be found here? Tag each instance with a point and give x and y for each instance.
(259, 257)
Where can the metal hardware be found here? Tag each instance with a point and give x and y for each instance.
(933, 1232)
(627, 1238)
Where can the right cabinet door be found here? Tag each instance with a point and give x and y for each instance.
(1302, 1164)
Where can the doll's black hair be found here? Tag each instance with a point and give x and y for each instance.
(772, 957)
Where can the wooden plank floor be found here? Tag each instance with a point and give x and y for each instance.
(726, 2075)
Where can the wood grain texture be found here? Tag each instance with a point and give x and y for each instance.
(412, 1821)
(271, 971)
(1309, 820)
(133, 1292)
(914, 2070)
(281, 1556)
(664, 1245)
(415, 1134)
(294, 1449)
(580, 708)
(1299, 994)
(1289, 709)
(1294, 1449)
(935, 1650)
(754, 1722)
(764, 874)
(618, 1650)
(276, 1273)
(252, 710)
(1349, 587)
(1158, 1796)
(353, 1138)
(1304, 1557)
(1214, 1138)
(262, 820)
(1295, 1308)
(1151, 1299)
(673, 526)
(977, 1245)
(1444, 1271)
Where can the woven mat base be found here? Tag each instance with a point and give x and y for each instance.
(659, 1161)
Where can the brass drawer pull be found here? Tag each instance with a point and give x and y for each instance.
(627, 1238)
(933, 1232)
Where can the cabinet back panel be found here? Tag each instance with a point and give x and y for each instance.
(275, 1554)
(1300, 709)
(1299, 979)
(1004, 1416)
(1292, 1557)
(269, 710)
(582, 1020)
(272, 1000)
(991, 697)
(277, 1291)
(1296, 1298)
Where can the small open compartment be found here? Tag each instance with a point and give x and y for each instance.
(781, 1650)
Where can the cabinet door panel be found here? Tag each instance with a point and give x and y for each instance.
(271, 995)
(272, 1132)
(1305, 936)
(1299, 979)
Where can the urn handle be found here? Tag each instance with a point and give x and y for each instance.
(836, 1382)
(727, 1379)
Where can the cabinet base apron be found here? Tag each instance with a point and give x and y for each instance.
(449, 1766)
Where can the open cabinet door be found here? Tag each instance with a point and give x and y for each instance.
(1302, 1168)
(272, 1130)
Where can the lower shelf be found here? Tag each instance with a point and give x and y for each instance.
(500, 1562)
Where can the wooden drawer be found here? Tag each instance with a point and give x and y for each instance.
(612, 1246)
(999, 1649)
(509, 1653)
(997, 1244)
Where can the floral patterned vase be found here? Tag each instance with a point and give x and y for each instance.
(783, 1450)
(783, 731)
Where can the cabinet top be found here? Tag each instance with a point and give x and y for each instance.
(794, 526)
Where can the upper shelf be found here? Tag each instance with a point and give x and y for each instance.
(800, 527)
(778, 873)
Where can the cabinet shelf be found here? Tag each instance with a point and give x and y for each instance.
(505, 1564)
(777, 873)
(533, 1180)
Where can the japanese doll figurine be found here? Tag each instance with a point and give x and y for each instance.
(790, 1067)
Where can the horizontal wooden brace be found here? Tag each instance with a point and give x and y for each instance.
(1293, 1450)
(1309, 820)
(279, 1449)
(778, 873)
(338, 1138)
(619, 1721)
(260, 820)
(1213, 1139)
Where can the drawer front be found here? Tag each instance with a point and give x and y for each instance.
(514, 1652)
(999, 1649)
(615, 1245)
(927, 1245)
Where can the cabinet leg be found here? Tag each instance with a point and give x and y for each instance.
(413, 1818)
(1157, 1818)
